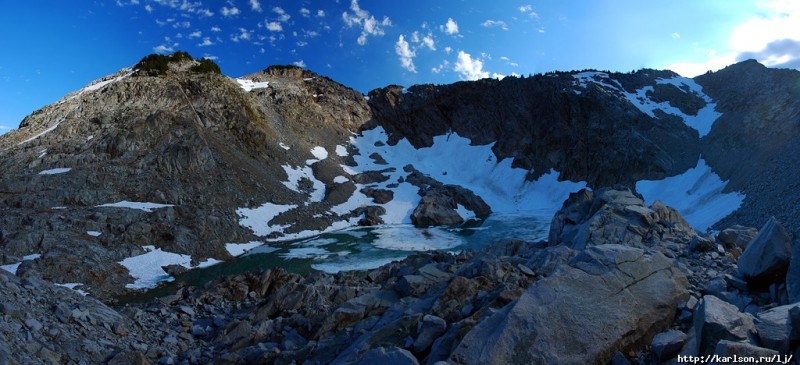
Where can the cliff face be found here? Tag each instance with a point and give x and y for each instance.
(588, 131)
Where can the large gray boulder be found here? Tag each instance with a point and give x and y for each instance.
(617, 216)
(736, 236)
(440, 206)
(716, 320)
(766, 258)
(608, 298)
(775, 328)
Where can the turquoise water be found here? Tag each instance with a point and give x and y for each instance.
(362, 248)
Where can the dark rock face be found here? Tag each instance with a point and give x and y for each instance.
(595, 136)
(439, 204)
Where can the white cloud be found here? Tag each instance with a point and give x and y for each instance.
(771, 36)
(229, 11)
(368, 24)
(451, 27)
(406, 54)
(274, 26)
(301, 43)
(210, 56)
(495, 23)
(216, 29)
(244, 35)
(469, 68)
(427, 41)
(196, 34)
(206, 42)
(165, 48)
(148, 8)
(441, 67)
(528, 9)
(676, 35)
(282, 16)
(320, 13)
(255, 5)
(448, 50)
(305, 12)
(300, 63)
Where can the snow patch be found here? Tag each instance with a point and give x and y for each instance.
(257, 219)
(696, 194)
(250, 85)
(341, 151)
(146, 268)
(12, 268)
(465, 213)
(55, 171)
(48, 130)
(350, 265)
(94, 233)
(73, 286)
(340, 179)
(317, 192)
(238, 249)
(284, 146)
(143, 206)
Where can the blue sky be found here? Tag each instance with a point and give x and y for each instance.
(52, 47)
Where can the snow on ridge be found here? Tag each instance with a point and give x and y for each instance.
(48, 130)
(257, 219)
(701, 122)
(250, 85)
(147, 270)
(341, 151)
(59, 170)
(143, 206)
(697, 194)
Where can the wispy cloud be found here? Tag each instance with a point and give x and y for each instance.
(163, 48)
(368, 24)
(528, 9)
(282, 16)
(405, 54)
(495, 24)
(305, 12)
(206, 42)
(274, 26)
(320, 13)
(299, 63)
(445, 64)
(227, 12)
(469, 68)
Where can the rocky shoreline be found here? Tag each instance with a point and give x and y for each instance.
(617, 282)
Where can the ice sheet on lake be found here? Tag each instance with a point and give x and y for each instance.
(237, 249)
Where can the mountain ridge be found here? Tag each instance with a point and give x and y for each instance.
(276, 149)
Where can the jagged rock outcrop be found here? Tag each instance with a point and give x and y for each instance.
(440, 205)
(616, 216)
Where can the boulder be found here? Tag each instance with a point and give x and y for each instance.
(736, 236)
(440, 205)
(667, 344)
(775, 327)
(615, 216)
(616, 297)
(716, 320)
(766, 258)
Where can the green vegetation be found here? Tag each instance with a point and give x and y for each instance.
(205, 65)
(158, 64)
